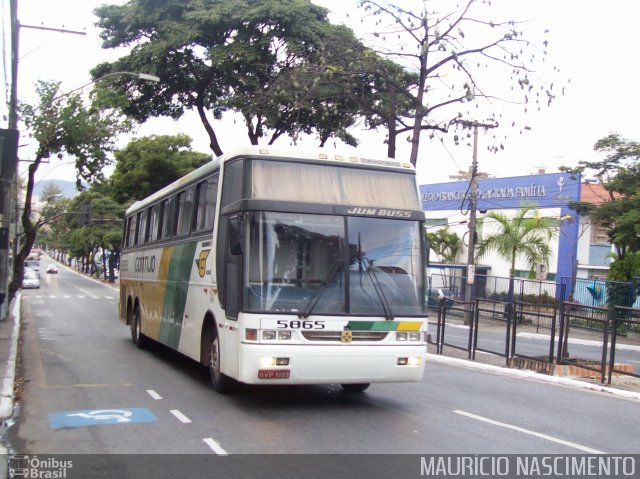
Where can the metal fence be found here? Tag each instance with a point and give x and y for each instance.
(540, 325)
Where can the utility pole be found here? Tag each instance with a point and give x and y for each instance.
(473, 203)
(9, 164)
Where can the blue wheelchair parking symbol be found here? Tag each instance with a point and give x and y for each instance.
(96, 417)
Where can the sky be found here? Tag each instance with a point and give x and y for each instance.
(594, 43)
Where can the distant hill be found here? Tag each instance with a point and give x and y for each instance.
(68, 188)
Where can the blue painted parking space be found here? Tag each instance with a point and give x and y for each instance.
(99, 417)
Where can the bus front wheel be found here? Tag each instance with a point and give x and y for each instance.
(220, 382)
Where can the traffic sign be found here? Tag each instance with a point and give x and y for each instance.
(541, 271)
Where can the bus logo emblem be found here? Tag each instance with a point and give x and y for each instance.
(201, 262)
(346, 336)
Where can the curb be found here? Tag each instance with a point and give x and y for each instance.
(574, 383)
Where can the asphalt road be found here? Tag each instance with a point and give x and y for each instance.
(89, 390)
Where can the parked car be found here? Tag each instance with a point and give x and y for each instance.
(30, 279)
(52, 269)
(33, 265)
(437, 294)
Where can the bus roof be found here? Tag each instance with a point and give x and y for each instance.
(308, 154)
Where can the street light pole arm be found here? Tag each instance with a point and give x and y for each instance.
(140, 76)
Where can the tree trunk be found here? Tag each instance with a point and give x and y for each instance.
(30, 231)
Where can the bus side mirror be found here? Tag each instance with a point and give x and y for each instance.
(236, 235)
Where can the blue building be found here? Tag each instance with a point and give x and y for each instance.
(551, 194)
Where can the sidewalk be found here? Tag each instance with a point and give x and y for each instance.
(9, 335)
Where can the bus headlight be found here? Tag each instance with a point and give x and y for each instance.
(410, 361)
(268, 361)
(408, 336)
(268, 335)
(284, 335)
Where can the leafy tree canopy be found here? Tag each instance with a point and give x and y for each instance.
(525, 235)
(259, 59)
(447, 244)
(148, 164)
(619, 173)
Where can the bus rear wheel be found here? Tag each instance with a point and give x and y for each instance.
(355, 388)
(221, 383)
(139, 339)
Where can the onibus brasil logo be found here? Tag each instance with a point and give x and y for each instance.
(38, 467)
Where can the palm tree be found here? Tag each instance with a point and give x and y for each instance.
(525, 235)
(446, 244)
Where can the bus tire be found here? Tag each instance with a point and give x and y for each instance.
(139, 339)
(221, 383)
(355, 388)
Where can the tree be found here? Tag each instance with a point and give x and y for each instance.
(148, 164)
(216, 56)
(446, 244)
(619, 173)
(62, 125)
(525, 235)
(448, 52)
(103, 233)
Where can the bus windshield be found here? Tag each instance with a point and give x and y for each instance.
(333, 265)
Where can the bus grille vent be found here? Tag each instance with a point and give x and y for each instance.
(335, 335)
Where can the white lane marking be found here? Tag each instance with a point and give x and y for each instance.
(154, 394)
(532, 433)
(66, 296)
(181, 417)
(215, 447)
(80, 296)
(88, 293)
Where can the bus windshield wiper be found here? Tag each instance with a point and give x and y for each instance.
(333, 269)
(377, 286)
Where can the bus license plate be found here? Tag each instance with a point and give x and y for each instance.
(273, 374)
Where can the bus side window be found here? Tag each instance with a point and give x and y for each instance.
(211, 198)
(201, 193)
(142, 227)
(184, 216)
(133, 230)
(154, 219)
(206, 194)
(126, 240)
(167, 215)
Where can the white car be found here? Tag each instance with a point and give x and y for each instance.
(30, 279)
(52, 269)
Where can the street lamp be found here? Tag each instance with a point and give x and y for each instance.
(140, 76)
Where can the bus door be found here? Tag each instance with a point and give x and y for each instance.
(231, 260)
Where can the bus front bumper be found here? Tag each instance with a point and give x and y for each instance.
(299, 364)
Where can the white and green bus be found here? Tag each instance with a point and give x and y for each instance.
(282, 267)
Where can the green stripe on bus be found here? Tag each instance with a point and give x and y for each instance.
(175, 298)
(384, 325)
